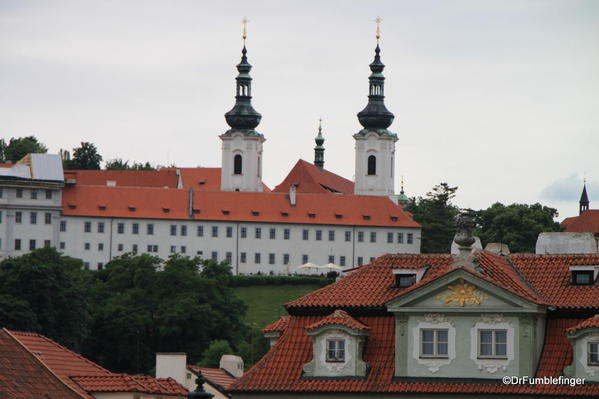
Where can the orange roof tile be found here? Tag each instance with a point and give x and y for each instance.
(219, 378)
(23, 376)
(550, 276)
(586, 222)
(280, 370)
(373, 285)
(591, 322)
(137, 202)
(312, 179)
(125, 178)
(80, 373)
(278, 326)
(130, 383)
(341, 318)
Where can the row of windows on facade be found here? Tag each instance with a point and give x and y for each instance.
(33, 194)
(32, 217)
(243, 232)
(32, 244)
(152, 248)
(434, 343)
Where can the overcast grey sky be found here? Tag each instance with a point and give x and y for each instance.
(496, 97)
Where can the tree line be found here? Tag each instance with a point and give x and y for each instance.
(86, 156)
(136, 306)
(517, 225)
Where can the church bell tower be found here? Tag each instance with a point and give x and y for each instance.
(241, 168)
(375, 145)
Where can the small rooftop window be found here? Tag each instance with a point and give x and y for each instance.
(102, 207)
(311, 215)
(226, 211)
(166, 210)
(405, 279)
(72, 206)
(255, 213)
(202, 182)
(338, 216)
(285, 214)
(132, 208)
(394, 218)
(366, 217)
(582, 277)
(195, 211)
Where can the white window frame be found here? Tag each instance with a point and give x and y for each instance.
(494, 343)
(435, 342)
(590, 351)
(335, 347)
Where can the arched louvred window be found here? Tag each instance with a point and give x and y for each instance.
(237, 167)
(371, 165)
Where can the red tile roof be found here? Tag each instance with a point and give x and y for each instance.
(205, 179)
(219, 378)
(23, 376)
(373, 285)
(278, 326)
(550, 276)
(341, 318)
(586, 222)
(312, 179)
(591, 322)
(137, 202)
(125, 178)
(80, 373)
(130, 383)
(280, 370)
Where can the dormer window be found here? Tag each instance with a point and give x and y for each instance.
(335, 350)
(582, 277)
(593, 350)
(311, 215)
(405, 279)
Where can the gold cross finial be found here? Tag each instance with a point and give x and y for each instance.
(378, 21)
(244, 21)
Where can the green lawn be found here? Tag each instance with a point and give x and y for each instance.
(265, 301)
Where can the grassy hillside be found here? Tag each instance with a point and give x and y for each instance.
(265, 301)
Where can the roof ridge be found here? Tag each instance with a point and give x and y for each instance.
(273, 349)
(38, 360)
(68, 350)
(524, 280)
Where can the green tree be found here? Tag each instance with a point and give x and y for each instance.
(437, 215)
(216, 349)
(119, 164)
(517, 225)
(40, 293)
(141, 309)
(17, 148)
(85, 157)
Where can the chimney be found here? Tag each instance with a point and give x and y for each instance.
(232, 364)
(292, 194)
(173, 365)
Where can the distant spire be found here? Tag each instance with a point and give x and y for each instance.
(376, 116)
(243, 117)
(319, 149)
(584, 199)
(403, 198)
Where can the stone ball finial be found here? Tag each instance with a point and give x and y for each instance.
(465, 226)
